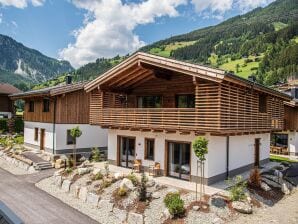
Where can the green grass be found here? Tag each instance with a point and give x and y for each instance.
(165, 51)
(279, 25)
(275, 158)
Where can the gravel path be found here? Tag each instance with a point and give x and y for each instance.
(285, 211)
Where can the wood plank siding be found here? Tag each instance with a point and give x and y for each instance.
(6, 105)
(71, 108)
(291, 118)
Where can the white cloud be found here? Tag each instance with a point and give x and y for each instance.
(14, 23)
(246, 5)
(1, 18)
(21, 3)
(215, 6)
(109, 26)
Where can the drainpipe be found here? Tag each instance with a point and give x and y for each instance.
(228, 156)
(54, 124)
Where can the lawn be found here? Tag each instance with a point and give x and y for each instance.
(279, 25)
(274, 158)
(166, 52)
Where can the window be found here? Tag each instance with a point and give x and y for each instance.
(31, 106)
(70, 140)
(149, 101)
(46, 105)
(296, 93)
(280, 140)
(35, 134)
(185, 101)
(262, 103)
(149, 149)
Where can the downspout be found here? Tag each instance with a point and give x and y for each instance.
(228, 156)
(54, 124)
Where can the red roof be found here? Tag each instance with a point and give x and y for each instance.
(8, 89)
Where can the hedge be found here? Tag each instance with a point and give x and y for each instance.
(3, 125)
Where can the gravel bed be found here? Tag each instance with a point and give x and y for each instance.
(12, 168)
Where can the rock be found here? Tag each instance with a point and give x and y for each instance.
(85, 164)
(120, 214)
(84, 170)
(118, 175)
(58, 181)
(66, 185)
(271, 183)
(83, 194)
(134, 218)
(218, 202)
(159, 186)
(265, 186)
(285, 189)
(96, 171)
(278, 173)
(58, 172)
(242, 207)
(148, 195)
(106, 204)
(92, 198)
(76, 192)
(127, 184)
(166, 214)
(31, 169)
(217, 221)
(172, 190)
(155, 195)
(59, 163)
(150, 183)
(196, 208)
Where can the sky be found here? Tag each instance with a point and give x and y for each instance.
(81, 31)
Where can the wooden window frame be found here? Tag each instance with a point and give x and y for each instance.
(146, 149)
(36, 134)
(137, 101)
(31, 106)
(73, 139)
(187, 95)
(46, 109)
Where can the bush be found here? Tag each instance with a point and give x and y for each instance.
(255, 177)
(3, 125)
(98, 176)
(69, 162)
(106, 183)
(19, 140)
(237, 189)
(143, 188)
(18, 125)
(95, 155)
(175, 204)
(122, 192)
(68, 170)
(133, 178)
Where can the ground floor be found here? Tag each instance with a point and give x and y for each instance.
(226, 156)
(56, 138)
(285, 143)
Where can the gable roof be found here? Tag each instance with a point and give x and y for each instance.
(204, 72)
(49, 91)
(6, 88)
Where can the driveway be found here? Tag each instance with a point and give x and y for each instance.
(33, 205)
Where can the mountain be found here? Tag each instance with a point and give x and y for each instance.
(20, 63)
(263, 42)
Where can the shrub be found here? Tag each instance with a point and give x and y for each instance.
(143, 188)
(68, 170)
(122, 191)
(3, 125)
(106, 183)
(19, 140)
(107, 169)
(95, 155)
(237, 189)
(69, 162)
(18, 125)
(133, 178)
(255, 177)
(174, 203)
(98, 176)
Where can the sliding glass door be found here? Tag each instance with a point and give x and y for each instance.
(127, 151)
(179, 160)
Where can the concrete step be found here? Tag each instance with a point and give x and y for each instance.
(43, 165)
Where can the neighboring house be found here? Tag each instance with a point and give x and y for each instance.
(6, 105)
(286, 141)
(154, 107)
(51, 113)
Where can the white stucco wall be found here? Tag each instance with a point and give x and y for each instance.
(241, 149)
(293, 142)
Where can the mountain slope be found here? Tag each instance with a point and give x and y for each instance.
(17, 60)
(248, 44)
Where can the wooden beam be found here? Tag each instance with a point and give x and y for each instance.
(128, 74)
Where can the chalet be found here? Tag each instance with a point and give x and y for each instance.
(50, 113)
(154, 107)
(6, 105)
(286, 141)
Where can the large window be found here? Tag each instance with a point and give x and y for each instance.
(149, 149)
(149, 101)
(262, 103)
(69, 139)
(31, 106)
(280, 140)
(46, 105)
(185, 101)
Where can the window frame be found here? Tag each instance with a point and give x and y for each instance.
(36, 130)
(187, 95)
(31, 106)
(73, 139)
(146, 157)
(143, 96)
(44, 109)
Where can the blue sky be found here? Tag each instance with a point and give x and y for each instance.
(82, 30)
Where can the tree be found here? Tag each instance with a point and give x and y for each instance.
(75, 133)
(200, 148)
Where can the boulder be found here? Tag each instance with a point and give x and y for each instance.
(155, 195)
(120, 214)
(58, 181)
(135, 218)
(83, 170)
(217, 220)
(59, 163)
(218, 202)
(196, 208)
(166, 214)
(83, 194)
(285, 188)
(159, 186)
(92, 198)
(95, 171)
(172, 190)
(66, 185)
(118, 175)
(265, 186)
(150, 183)
(76, 192)
(242, 207)
(86, 163)
(31, 169)
(106, 205)
(127, 184)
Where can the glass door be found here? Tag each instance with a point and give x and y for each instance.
(179, 160)
(127, 151)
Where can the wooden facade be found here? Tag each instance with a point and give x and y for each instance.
(291, 118)
(6, 104)
(69, 108)
(226, 106)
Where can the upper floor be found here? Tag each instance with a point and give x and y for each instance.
(148, 92)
